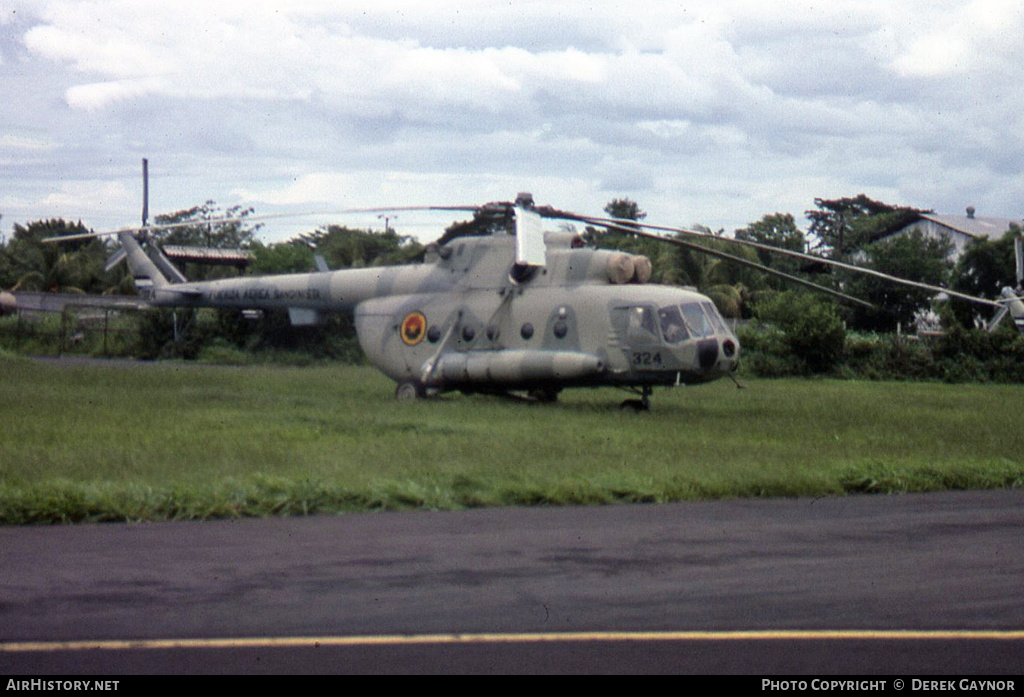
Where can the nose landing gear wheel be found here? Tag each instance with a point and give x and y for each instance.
(410, 391)
(642, 404)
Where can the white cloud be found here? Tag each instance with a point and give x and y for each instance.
(965, 36)
(716, 111)
(99, 94)
(312, 188)
(933, 55)
(24, 143)
(89, 196)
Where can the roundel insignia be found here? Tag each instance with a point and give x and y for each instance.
(414, 328)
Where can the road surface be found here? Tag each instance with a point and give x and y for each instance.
(786, 586)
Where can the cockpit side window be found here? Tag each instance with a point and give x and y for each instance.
(696, 320)
(641, 323)
(716, 319)
(673, 327)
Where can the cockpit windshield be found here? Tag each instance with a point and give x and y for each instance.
(677, 323)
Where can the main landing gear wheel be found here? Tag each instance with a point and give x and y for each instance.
(642, 404)
(546, 395)
(410, 391)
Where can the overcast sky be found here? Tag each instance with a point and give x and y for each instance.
(703, 112)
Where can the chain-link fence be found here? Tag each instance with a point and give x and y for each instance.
(52, 325)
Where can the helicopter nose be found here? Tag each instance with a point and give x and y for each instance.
(707, 353)
(731, 351)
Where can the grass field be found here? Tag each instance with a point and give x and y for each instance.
(174, 440)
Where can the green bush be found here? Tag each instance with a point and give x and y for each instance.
(224, 336)
(960, 355)
(811, 327)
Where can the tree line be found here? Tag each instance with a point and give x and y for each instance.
(854, 229)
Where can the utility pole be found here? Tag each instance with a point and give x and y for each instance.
(387, 218)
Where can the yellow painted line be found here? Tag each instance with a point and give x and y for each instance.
(524, 638)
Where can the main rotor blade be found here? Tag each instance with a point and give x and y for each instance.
(637, 228)
(399, 209)
(751, 264)
(256, 218)
(171, 226)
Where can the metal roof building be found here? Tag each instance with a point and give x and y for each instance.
(959, 229)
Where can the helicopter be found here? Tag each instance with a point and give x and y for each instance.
(530, 311)
(518, 310)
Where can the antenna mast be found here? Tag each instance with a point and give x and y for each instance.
(145, 192)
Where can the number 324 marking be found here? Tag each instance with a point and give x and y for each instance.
(646, 358)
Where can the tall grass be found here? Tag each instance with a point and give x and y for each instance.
(175, 440)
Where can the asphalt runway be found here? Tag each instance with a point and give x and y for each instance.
(897, 585)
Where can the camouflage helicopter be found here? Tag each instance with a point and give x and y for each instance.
(519, 310)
